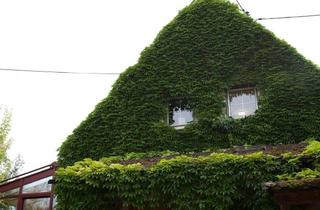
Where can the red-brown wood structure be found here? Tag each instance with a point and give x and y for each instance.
(31, 190)
(301, 194)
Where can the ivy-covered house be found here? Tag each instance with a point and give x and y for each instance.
(212, 79)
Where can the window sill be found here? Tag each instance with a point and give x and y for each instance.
(179, 127)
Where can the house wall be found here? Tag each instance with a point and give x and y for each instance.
(208, 49)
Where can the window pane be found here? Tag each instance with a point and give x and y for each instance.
(14, 191)
(36, 204)
(236, 111)
(249, 109)
(9, 204)
(182, 117)
(249, 96)
(242, 102)
(38, 186)
(180, 113)
(235, 97)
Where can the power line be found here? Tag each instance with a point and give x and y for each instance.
(57, 72)
(242, 9)
(289, 17)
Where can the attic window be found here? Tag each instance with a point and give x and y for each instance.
(242, 102)
(180, 113)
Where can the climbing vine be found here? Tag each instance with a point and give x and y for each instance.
(206, 50)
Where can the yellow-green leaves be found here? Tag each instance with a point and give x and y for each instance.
(215, 181)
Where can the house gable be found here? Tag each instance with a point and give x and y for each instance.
(206, 50)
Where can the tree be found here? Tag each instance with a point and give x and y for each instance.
(8, 168)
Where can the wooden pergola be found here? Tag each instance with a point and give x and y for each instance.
(301, 194)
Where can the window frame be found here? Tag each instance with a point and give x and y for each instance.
(27, 178)
(256, 93)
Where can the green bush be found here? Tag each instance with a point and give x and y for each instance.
(207, 49)
(218, 181)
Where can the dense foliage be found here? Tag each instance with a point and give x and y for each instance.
(207, 49)
(8, 167)
(311, 162)
(217, 181)
(5, 163)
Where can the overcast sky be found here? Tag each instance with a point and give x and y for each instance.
(96, 36)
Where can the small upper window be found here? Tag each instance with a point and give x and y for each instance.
(180, 113)
(242, 102)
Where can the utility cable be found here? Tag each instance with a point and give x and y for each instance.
(289, 17)
(242, 9)
(57, 72)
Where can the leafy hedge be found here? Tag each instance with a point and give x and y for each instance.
(218, 181)
(311, 161)
(207, 49)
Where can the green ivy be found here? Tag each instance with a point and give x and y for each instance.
(218, 181)
(304, 174)
(207, 49)
(308, 161)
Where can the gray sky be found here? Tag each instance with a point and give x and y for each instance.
(96, 36)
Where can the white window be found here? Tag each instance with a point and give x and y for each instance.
(242, 102)
(180, 113)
